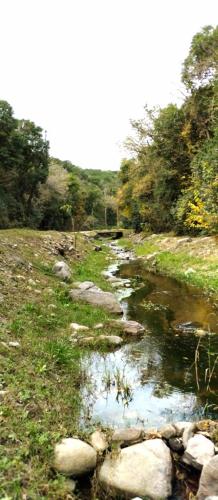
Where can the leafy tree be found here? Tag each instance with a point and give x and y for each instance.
(200, 66)
(23, 167)
(171, 180)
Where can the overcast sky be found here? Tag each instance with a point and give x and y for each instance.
(81, 69)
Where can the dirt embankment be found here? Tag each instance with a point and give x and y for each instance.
(204, 246)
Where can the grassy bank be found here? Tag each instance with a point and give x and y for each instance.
(40, 378)
(191, 260)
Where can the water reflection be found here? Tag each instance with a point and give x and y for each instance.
(153, 380)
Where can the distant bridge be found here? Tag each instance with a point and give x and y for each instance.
(114, 234)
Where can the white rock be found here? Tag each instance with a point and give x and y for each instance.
(188, 434)
(114, 279)
(190, 270)
(180, 427)
(74, 457)
(143, 469)
(71, 485)
(84, 285)
(168, 431)
(98, 441)
(85, 340)
(117, 284)
(14, 344)
(201, 333)
(212, 498)
(62, 270)
(110, 339)
(31, 282)
(208, 486)
(75, 327)
(96, 297)
(199, 451)
(128, 326)
(128, 435)
(99, 326)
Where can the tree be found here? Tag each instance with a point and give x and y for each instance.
(33, 160)
(200, 66)
(171, 180)
(23, 166)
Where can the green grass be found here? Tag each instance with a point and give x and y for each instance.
(140, 249)
(125, 243)
(201, 272)
(146, 248)
(43, 376)
(177, 265)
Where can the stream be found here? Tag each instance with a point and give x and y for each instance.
(154, 379)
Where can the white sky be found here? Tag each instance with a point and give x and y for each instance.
(81, 69)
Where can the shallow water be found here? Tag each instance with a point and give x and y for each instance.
(152, 380)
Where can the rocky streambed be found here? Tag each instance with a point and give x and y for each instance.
(160, 373)
(151, 388)
(178, 461)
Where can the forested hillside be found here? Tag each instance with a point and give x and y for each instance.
(78, 198)
(171, 181)
(47, 193)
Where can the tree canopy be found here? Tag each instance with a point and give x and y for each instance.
(48, 193)
(171, 181)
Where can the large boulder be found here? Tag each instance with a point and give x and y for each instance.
(143, 469)
(208, 486)
(62, 270)
(73, 457)
(199, 451)
(93, 295)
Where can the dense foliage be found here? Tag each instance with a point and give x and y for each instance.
(23, 168)
(171, 181)
(78, 198)
(42, 192)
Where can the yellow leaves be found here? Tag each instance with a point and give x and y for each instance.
(186, 130)
(143, 186)
(186, 136)
(197, 216)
